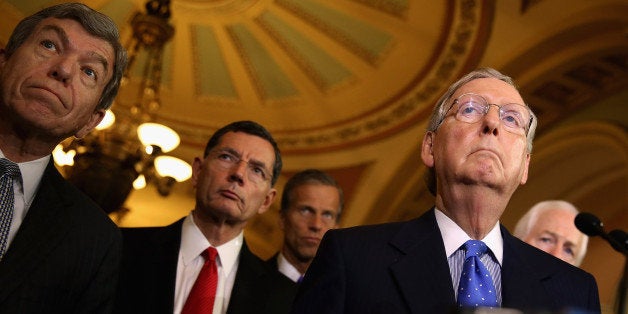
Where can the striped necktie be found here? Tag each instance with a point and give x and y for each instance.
(8, 172)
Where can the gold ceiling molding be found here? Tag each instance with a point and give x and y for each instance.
(462, 38)
(324, 113)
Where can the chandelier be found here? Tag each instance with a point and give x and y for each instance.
(127, 149)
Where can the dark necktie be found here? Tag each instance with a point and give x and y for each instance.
(476, 286)
(8, 171)
(203, 294)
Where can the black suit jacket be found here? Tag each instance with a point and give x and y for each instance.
(64, 257)
(289, 290)
(149, 270)
(402, 268)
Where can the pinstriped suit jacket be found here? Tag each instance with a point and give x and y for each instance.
(65, 256)
(402, 268)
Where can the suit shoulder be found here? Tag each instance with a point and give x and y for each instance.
(540, 260)
(375, 230)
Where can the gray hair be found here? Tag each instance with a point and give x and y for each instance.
(94, 22)
(527, 221)
(440, 111)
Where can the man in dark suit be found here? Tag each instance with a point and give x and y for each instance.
(476, 156)
(311, 204)
(234, 182)
(59, 72)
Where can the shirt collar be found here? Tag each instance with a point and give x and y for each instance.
(193, 243)
(454, 237)
(287, 269)
(31, 172)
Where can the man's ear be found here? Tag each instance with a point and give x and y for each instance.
(93, 121)
(524, 176)
(270, 196)
(427, 154)
(197, 167)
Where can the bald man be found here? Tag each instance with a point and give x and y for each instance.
(549, 226)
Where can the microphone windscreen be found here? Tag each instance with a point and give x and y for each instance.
(620, 236)
(589, 224)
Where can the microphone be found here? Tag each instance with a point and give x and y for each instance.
(590, 225)
(620, 236)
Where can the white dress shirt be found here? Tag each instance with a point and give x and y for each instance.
(454, 237)
(24, 191)
(190, 262)
(287, 269)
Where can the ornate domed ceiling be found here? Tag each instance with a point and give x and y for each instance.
(347, 85)
(318, 74)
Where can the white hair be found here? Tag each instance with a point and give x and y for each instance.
(527, 221)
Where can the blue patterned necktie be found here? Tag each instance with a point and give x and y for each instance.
(476, 286)
(8, 171)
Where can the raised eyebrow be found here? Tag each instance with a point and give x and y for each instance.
(235, 153)
(100, 59)
(63, 36)
(230, 151)
(59, 31)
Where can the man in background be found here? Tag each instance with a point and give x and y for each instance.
(201, 263)
(549, 226)
(59, 73)
(311, 204)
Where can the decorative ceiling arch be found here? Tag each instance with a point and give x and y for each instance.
(317, 73)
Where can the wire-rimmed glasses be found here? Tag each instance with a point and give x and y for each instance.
(471, 108)
(255, 171)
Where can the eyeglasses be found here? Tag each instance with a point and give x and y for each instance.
(255, 171)
(471, 108)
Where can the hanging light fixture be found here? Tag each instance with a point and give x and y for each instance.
(128, 151)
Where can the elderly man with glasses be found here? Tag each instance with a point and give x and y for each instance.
(456, 256)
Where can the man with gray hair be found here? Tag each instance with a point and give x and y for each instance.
(549, 226)
(59, 252)
(456, 255)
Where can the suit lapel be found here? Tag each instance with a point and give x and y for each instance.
(249, 291)
(415, 274)
(167, 243)
(521, 283)
(40, 232)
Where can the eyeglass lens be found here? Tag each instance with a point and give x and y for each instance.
(471, 108)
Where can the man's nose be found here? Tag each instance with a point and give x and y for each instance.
(316, 222)
(238, 171)
(491, 121)
(62, 69)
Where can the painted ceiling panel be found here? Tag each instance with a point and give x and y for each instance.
(212, 75)
(363, 39)
(322, 68)
(269, 78)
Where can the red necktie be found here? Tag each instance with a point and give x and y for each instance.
(201, 298)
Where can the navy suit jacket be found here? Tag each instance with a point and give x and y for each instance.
(149, 270)
(65, 255)
(402, 268)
